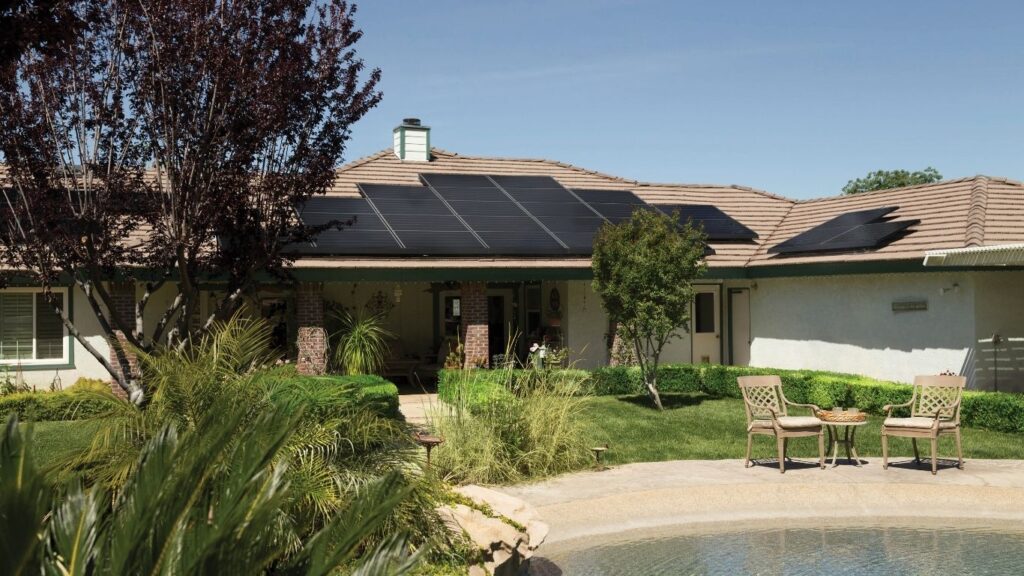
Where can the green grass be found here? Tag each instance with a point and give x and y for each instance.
(57, 438)
(697, 427)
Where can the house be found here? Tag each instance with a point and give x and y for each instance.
(889, 284)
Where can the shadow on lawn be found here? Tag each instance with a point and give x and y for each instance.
(668, 401)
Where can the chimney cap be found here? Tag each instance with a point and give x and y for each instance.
(411, 121)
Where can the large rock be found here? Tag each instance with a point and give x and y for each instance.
(512, 508)
(505, 549)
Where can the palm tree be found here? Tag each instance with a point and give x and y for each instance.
(336, 448)
(211, 500)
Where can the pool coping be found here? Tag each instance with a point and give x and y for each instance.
(664, 494)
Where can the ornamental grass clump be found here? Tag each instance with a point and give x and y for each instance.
(530, 428)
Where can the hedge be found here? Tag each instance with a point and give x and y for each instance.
(997, 411)
(479, 386)
(69, 404)
(373, 391)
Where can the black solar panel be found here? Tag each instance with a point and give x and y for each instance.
(861, 230)
(467, 214)
(365, 235)
(424, 224)
(613, 205)
(499, 221)
(717, 225)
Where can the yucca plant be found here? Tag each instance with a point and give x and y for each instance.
(207, 501)
(361, 342)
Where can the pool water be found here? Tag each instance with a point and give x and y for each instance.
(890, 550)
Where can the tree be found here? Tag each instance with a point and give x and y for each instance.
(644, 269)
(885, 179)
(169, 144)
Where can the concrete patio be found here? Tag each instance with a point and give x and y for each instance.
(661, 494)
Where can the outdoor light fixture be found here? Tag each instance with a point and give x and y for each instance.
(397, 293)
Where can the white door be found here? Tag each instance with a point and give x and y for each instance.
(739, 326)
(706, 325)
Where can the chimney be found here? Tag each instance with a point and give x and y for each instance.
(412, 141)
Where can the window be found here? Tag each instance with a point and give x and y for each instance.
(704, 312)
(30, 332)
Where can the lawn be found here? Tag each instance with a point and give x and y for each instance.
(52, 440)
(696, 426)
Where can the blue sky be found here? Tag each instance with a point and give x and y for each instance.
(794, 97)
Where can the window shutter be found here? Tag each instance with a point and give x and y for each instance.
(49, 331)
(16, 326)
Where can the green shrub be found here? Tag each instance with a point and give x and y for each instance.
(69, 404)
(994, 410)
(375, 392)
(473, 387)
(503, 426)
(620, 380)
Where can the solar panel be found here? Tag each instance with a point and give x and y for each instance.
(424, 224)
(717, 225)
(496, 219)
(864, 229)
(366, 235)
(613, 205)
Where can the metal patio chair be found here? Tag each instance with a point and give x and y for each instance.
(766, 406)
(934, 411)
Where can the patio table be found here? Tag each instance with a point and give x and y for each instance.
(846, 438)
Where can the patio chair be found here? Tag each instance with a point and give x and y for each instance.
(934, 411)
(765, 406)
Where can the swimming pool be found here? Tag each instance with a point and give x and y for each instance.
(889, 548)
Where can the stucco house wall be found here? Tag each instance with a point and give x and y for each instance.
(847, 324)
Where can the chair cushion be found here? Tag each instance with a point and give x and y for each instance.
(799, 422)
(789, 422)
(917, 422)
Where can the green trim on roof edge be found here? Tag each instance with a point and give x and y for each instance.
(519, 274)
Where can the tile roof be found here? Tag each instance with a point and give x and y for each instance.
(953, 214)
(974, 211)
(757, 209)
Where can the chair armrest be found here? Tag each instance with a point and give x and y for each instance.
(814, 407)
(888, 407)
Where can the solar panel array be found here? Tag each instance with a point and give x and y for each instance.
(468, 215)
(717, 225)
(861, 230)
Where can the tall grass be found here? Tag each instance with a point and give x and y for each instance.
(532, 432)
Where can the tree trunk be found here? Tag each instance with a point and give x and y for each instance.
(654, 397)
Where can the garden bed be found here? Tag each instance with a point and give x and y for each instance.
(995, 411)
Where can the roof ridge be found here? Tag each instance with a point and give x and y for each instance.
(770, 239)
(612, 176)
(975, 235)
(727, 186)
(915, 186)
(538, 160)
(363, 160)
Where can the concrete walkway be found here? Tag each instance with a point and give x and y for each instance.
(414, 407)
(661, 494)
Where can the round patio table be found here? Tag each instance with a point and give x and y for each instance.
(846, 439)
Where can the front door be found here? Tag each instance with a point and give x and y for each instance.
(707, 347)
(739, 326)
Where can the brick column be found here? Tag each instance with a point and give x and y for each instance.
(474, 324)
(312, 344)
(122, 305)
